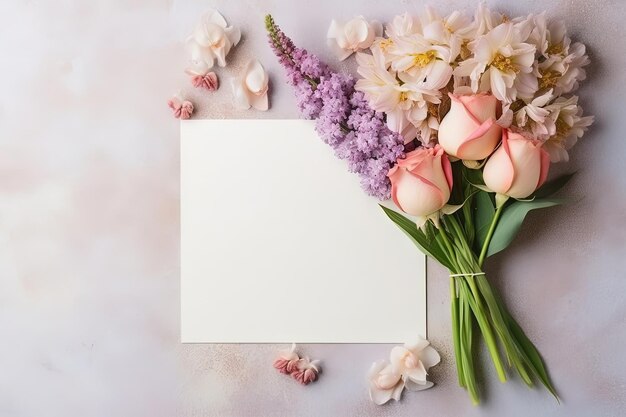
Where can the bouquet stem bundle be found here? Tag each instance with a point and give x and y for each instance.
(462, 243)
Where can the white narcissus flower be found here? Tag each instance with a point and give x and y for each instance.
(570, 126)
(501, 62)
(407, 368)
(352, 36)
(211, 40)
(418, 56)
(250, 89)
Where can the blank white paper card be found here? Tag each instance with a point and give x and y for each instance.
(279, 243)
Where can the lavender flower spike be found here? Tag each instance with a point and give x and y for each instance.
(344, 119)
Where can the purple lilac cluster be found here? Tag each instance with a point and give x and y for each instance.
(344, 119)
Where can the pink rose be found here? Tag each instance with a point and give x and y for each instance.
(421, 182)
(518, 167)
(469, 130)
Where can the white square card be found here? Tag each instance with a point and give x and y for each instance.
(280, 244)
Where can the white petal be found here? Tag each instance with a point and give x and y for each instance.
(240, 95)
(429, 357)
(233, 34)
(260, 102)
(397, 391)
(415, 386)
(380, 397)
(334, 30)
(416, 374)
(356, 31)
(498, 85)
(213, 16)
(378, 28)
(256, 77)
(339, 52)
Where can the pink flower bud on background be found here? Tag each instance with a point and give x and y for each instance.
(180, 109)
(421, 182)
(518, 167)
(305, 376)
(469, 130)
(207, 81)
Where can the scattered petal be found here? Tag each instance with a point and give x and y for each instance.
(208, 81)
(181, 109)
(251, 88)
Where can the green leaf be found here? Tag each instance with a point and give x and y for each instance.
(512, 219)
(553, 186)
(532, 355)
(426, 245)
(483, 216)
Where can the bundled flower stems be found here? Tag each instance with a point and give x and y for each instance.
(457, 120)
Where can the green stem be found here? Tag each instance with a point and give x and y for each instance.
(454, 302)
(492, 228)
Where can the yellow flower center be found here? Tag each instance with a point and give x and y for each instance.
(386, 44)
(556, 49)
(403, 96)
(504, 63)
(549, 79)
(433, 110)
(465, 51)
(562, 131)
(421, 60)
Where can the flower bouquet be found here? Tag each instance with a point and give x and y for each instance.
(457, 119)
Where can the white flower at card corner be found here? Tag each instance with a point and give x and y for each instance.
(211, 40)
(250, 89)
(352, 36)
(502, 62)
(407, 368)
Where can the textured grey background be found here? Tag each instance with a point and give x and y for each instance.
(89, 227)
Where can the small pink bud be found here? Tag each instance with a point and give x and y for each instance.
(180, 109)
(281, 365)
(208, 81)
(305, 377)
(186, 110)
(292, 365)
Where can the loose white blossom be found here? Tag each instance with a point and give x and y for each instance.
(407, 368)
(250, 89)
(211, 40)
(346, 38)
